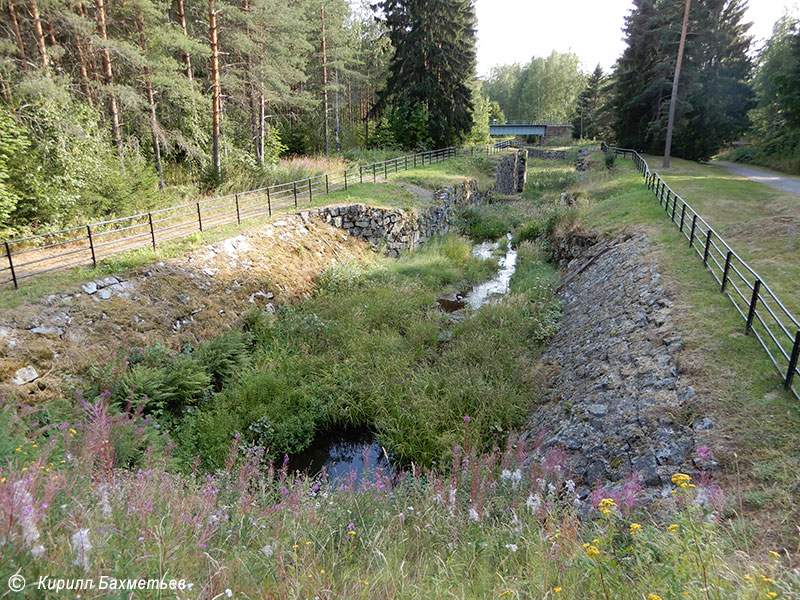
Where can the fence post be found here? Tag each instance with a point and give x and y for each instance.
(360, 174)
(752, 312)
(238, 216)
(415, 161)
(666, 203)
(345, 179)
(11, 265)
(787, 383)
(310, 193)
(269, 203)
(199, 218)
(691, 236)
(152, 231)
(683, 214)
(674, 206)
(294, 187)
(727, 269)
(386, 169)
(406, 169)
(91, 245)
(395, 166)
(708, 247)
(326, 183)
(374, 169)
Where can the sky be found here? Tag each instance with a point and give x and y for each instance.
(516, 30)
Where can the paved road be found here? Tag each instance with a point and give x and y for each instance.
(773, 180)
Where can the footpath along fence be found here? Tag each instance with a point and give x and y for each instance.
(88, 244)
(764, 314)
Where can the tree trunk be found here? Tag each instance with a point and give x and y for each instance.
(20, 45)
(261, 126)
(38, 33)
(148, 86)
(215, 89)
(337, 123)
(324, 79)
(108, 75)
(187, 60)
(673, 102)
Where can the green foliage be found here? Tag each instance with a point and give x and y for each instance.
(545, 88)
(433, 63)
(13, 144)
(715, 95)
(610, 158)
(223, 357)
(528, 232)
(482, 225)
(592, 117)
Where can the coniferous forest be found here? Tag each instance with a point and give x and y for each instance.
(112, 107)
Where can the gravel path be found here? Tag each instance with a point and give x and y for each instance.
(784, 183)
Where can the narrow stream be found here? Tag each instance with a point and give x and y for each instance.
(483, 293)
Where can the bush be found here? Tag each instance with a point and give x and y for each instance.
(529, 231)
(223, 357)
(610, 159)
(481, 225)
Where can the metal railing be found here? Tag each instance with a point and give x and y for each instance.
(765, 316)
(88, 244)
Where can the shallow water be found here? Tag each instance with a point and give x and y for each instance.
(497, 286)
(342, 452)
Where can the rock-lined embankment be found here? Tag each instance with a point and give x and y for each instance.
(617, 403)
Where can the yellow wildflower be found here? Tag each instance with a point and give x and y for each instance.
(592, 551)
(310, 575)
(672, 528)
(308, 543)
(296, 546)
(635, 528)
(774, 554)
(366, 583)
(772, 595)
(596, 542)
(351, 533)
(557, 590)
(2, 480)
(606, 504)
(653, 597)
(506, 593)
(748, 578)
(322, 571)
(682, 480)
(766, 579)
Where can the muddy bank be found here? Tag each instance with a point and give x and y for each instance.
(617, 403)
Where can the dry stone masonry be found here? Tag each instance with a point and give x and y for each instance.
(511, 173)
(617, 398)
(396, 230)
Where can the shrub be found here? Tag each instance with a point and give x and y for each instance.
(529, 231)
(481, 225)
(610, 159)
(223, 357)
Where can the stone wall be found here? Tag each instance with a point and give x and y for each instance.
(511, 173)
(394, 229)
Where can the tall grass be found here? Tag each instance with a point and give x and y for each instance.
(507, 523)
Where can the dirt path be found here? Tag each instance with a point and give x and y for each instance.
(784, 183)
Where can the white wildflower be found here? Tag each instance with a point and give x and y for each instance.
(512, 547)
(473, 515)
(505, 475)
(37, 551)
(267, 550)
(437, 499)
(570, 485)
(80, 547)
(534, 502)
(228, 593)
(105, 505)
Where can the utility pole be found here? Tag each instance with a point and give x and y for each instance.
(674, 99)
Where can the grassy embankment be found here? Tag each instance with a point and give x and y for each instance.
(366, 349)
(757, 433)
(390, 194)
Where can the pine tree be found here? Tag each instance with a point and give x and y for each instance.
(590, 121)
(713, 97)
(433, 64)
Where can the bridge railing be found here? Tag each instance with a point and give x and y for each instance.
(764, 315)
(541, 122)
(86, 245)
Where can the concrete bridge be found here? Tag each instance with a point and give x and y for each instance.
(547, 129)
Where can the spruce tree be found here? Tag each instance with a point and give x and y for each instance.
(434, 63)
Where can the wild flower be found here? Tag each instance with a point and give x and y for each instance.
(682, 480)
(591, 550)
(704, 453)
(473, 514)
(774, 554)
(80, 548)
(635, 528)
(653, 597)
(267, 550)
(672, 528)
(512, 547)
(557, 590)
(534, 503)
(606, 505)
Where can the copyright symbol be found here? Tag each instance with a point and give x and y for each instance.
(16, 583)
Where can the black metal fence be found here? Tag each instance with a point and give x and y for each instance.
(764, 314)
(87, 244)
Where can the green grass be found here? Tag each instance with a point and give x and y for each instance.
(450, 172)
(761, 223)
(758, 424)
(378, 195)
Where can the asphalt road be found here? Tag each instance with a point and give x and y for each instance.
(773, 180)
